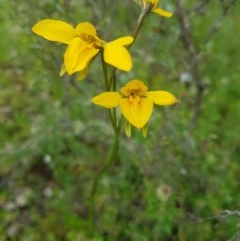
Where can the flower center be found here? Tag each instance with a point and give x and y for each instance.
(92, 40)
(134, 91)
(134, 98)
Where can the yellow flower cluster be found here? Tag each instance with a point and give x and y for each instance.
(135, 101)
(84, 44)
(152, 6)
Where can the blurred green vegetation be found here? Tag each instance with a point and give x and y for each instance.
(180, 183)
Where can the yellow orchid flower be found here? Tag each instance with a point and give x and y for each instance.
(83, 45)
(154, 8)
(135, 102)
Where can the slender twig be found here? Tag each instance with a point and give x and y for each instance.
(221, 216)
(217, 23)
(193, 58)
(200, 8)
(192, 50)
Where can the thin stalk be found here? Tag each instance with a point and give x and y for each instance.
(141, 19)
(105, 72)
(110, 85)
(111, 117)
(112, 82)
(111, 157)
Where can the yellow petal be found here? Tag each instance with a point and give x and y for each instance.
(85, 29)
(145, 130)
(78, 55)
(128, 129)
(163, 13)
(137, 113)
(135, 85)
(107, 99)
(123, 41)
(161, 97)
(154, 3)
(62, 71)
(118, 56)
(83, 73)
(55, 30)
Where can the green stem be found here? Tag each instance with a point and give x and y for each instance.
(112, 82)
(110, 85)
(141, 19)
(111, 117)
(111, 157)
(105, 73)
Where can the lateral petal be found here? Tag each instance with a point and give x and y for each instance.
(123, 40)
(55, 30)
(137, 113)
(118, 56)
(128, 128)
(62, 71)
(77, 55)
(107, 99)
(161, 97)
(162, 12)
(83, 73)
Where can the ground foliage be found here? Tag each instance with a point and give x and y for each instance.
(179, 183)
